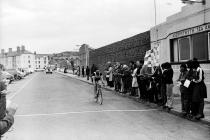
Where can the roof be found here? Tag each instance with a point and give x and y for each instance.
(15, 53)
(41, 55)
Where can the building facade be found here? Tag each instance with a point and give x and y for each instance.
(84, 55)
(41, 61)
(184, 36)
(20, 58)
(64, 59)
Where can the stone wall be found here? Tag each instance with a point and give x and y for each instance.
(123, 51)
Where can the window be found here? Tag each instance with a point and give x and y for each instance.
(200, 48)
(28, 61)
(194, 46)
(29, 66)
(184, 48)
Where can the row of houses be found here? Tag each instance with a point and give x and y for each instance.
(22, 58)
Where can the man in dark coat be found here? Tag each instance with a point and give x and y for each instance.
(87, 72)
(83, 71)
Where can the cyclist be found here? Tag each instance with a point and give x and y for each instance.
(97, 80)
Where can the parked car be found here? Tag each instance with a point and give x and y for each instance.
(48, 71)
(17, 74)
(38, 70)
(8, 76)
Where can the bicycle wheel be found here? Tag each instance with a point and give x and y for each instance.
(100, 97)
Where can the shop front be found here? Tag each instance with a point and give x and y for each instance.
(184, 36)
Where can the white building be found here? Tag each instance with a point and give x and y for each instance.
(20, 58)
(184, 36)
(41, 61)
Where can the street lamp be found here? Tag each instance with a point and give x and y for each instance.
(194, 1)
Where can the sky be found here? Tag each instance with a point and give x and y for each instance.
(53, 26)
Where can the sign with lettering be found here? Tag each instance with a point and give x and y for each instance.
(191, 31)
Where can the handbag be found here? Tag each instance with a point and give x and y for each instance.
(187, 83)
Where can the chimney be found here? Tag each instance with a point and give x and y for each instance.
(2, 51)
(18, 49)
(22, 48)
(10, 50)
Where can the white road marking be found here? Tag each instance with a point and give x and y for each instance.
(84, 112)
(21, 88)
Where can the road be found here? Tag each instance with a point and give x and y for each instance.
(56, 107)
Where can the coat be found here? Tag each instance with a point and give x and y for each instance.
(199, 87)
(134, 79)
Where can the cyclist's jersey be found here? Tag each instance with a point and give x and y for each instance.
(97, 76)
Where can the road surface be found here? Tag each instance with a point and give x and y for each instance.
(56, 107)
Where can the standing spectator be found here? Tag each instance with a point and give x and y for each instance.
(73, 70)
(139, 66)
(190, 76)
(134, 91)
(157, 75)
(199, 91)
(131, 69)
(183, 90)
(110, 75)
(121, 81)
(107, 75)
(126, 78)
(93, 69)
(144, 83)
(87, 72)
(117, 78)
(168, 81)
(83, 71)
(78, 71)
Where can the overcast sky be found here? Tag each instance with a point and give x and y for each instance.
(50, 26)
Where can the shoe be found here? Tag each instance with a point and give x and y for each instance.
(202, 116)
(199, 116)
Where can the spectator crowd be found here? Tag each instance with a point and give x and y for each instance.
(155, 84)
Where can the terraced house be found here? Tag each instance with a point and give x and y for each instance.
(21, 58)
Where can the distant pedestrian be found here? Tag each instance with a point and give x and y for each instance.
(78, 71)
(87, 72)
(83, 71)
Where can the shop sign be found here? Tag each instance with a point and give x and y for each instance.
(191, 31)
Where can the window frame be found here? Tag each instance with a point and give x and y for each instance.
(208, 45)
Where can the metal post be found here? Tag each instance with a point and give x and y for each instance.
(155, 6)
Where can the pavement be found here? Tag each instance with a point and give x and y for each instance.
(176, 106)
(59, 107)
